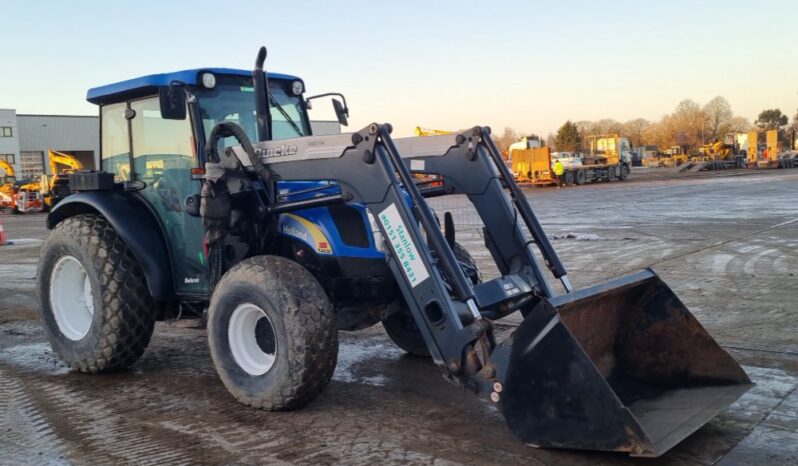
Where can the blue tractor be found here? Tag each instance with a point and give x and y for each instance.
(286, 240)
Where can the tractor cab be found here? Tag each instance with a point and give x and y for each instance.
(153, 134)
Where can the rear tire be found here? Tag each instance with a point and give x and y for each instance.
(93, 298)
(402, 328)
(403, 331)
(611, 174)
(569, 178)
(580, 178)
(272, 333)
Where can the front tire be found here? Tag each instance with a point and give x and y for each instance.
(272, 334)
(93, 298)
(624, 175)
(402, 328)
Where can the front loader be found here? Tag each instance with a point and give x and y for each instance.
(619, 366)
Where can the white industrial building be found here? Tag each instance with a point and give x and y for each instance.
(25, 140)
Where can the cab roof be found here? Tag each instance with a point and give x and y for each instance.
(148, 85)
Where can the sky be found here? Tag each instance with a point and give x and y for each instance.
(446, 65)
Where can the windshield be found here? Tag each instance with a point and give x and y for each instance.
(232, 100)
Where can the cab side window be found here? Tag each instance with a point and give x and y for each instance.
(159, 146)
(115, 141)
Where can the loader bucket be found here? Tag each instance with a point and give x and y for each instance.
(621, 366)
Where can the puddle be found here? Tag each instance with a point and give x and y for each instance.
(588, 237)
(356, 354)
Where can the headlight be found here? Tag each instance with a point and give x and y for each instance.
(208, 80)
(297, 88)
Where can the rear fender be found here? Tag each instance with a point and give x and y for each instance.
(135, 223)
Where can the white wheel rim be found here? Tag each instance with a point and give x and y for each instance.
(252, 339)
(71, 298)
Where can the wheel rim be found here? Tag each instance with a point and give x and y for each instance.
(252, 339)
(71, 298)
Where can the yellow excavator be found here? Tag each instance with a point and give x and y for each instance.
(42, 195)
(7, 186)
(56, 187)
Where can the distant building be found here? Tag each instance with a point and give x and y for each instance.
(25, 140)
(9, 137)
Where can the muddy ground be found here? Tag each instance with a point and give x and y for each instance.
(727, 243)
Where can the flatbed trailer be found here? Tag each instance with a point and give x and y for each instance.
(535, 166)
(580, 175)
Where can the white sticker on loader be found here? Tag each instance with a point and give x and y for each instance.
(406, 252)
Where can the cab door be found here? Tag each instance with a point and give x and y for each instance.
(164, 152)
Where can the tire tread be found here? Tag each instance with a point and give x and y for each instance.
(128, 310)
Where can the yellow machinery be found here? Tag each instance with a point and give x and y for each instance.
(56, 186)
(719, 155)
(609, 157)
(532, 164)
(59, 158)
(7, 185)
(430, 132)
(766, 156)
(753, 136)
(606, 147)
(45, 193)
(674, 157)
(771, 157)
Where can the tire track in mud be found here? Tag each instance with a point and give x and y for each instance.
(171, 409)
(27, 434)
(94, 424)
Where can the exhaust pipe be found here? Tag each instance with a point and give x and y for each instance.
(260, 81)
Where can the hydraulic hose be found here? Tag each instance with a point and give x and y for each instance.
(215, 196)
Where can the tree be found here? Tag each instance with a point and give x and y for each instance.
(738, 124)
(606, 126)
(791, 133)
(634, 129)
(684, 124)
(771, 119)
(568, 138)
(717, 113)
(508, 137)
(585, 127)
(551, 140)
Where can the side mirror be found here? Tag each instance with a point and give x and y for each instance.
(173, 102)
(341, 112)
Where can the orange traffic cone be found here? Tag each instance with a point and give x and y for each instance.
(2, 234)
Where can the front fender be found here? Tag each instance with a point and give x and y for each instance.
(135, 223)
